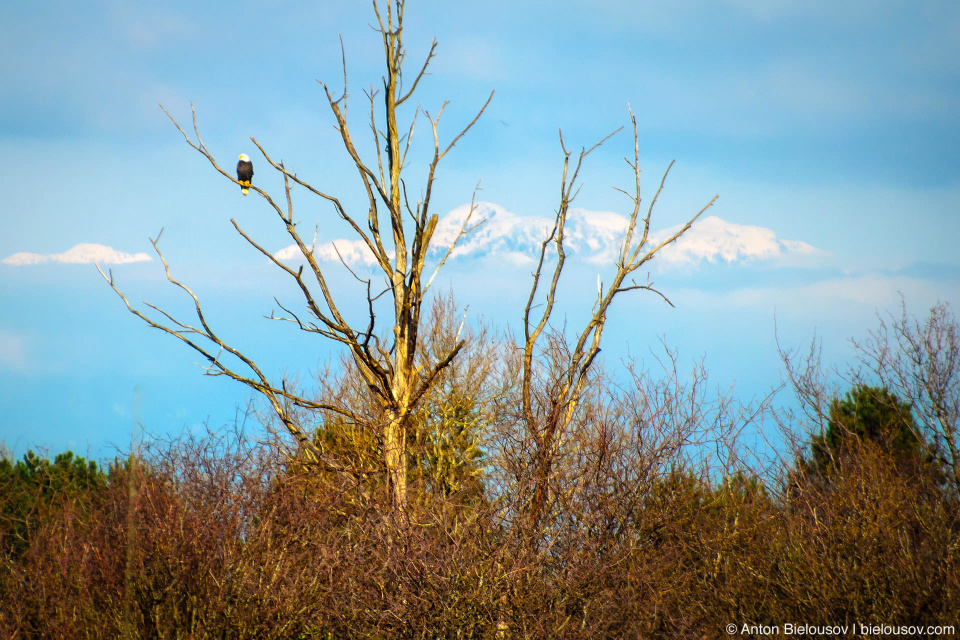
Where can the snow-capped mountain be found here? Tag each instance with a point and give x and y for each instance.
(591, 236)
(715, 240)
(500, 232)
(596, 237)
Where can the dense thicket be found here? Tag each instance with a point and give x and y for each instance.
(646, 536)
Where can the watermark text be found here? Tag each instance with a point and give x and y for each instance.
(838, 630)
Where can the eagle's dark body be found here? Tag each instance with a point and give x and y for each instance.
(244, 174)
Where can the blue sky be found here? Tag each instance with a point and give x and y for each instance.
(833, 126)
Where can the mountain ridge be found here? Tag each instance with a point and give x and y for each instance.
(594, 237)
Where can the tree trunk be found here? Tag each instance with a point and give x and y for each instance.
(395, 456)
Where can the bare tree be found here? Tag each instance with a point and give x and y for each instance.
(397, 233)
(547, 417)
(920, 363)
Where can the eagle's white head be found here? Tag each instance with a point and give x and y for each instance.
(244, 157)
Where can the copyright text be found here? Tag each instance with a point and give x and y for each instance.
(789, 629)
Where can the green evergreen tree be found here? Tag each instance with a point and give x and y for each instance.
(29, 487)
(874, 416)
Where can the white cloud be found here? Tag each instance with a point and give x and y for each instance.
(83, 253)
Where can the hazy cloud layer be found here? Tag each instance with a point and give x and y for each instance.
(83, 253)
(13, 351)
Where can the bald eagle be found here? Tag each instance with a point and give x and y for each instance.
(244, 173)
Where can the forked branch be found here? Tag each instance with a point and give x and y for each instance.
(547, 420)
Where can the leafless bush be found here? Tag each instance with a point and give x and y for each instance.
(648, 536)
(920, 362)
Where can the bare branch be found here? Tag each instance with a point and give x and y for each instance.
(420, 74)
(464, 230)
(373, 245)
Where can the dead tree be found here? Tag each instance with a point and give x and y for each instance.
(547, 416)
(397, 233)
